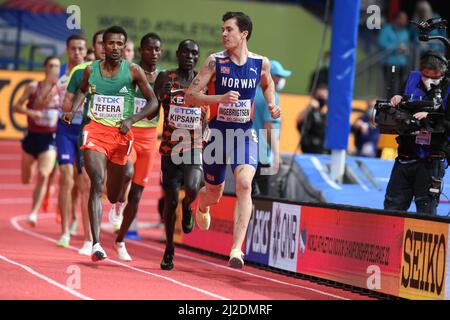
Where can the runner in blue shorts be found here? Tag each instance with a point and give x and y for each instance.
(67, 143)
(232, 77)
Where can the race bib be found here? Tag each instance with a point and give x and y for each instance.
(49, 118)
(423, 138)
(185, 117)
(110, 107)
(235, 112)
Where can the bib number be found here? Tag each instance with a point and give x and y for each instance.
(49, 118)
(185, 117)
(110, 107)
(235, 112)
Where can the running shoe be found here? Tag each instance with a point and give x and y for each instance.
(122, 252)
(236, 259)
(203, 219)
(32, 219)
(98, 253)
(86, 250)
(115, 215)
(187, 222)
(167, 260)
(64, 241)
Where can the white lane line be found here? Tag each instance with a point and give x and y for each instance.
(14, 222)
(237, 270)
(46, 279)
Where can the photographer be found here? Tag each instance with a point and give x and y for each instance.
(422, 160)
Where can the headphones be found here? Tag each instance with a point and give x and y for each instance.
(437, 55)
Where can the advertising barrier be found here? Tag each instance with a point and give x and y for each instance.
(353, 248)
(395, 255)
(424, 260)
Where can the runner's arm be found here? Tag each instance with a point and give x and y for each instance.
(268, 88)
(152, 107)
(19, 106)
(78, 100)
(195, 95)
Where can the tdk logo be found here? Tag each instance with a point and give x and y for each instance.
(188, 111)
(108, 100)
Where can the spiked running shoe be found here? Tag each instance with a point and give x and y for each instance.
(86, 250)
(187, 222)
(122, 252)
(236, 259)
(63, 241)
(32, 219)
(98, 253)
(167, 260)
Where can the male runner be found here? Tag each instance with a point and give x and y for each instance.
(232, 77)
(144, 145)
(128, 52)
(39, 143)
(66, 144)
(83, 182)
(180, 123)
(107, 138)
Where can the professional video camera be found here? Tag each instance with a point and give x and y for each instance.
(400, 120)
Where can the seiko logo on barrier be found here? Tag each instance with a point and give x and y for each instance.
(259, 238)
(285, 235)
(424, 256)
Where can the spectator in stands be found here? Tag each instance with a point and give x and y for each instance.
(366, 137)
(268, 131)
(394, 38)
(311, 122)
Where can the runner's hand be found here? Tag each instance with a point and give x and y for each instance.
(275, 111)
(125, 126)
(67, 117)
(230, 97)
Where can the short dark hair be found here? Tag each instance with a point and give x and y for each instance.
(433, 60)
(243, 21)
(184, 42)
(75, 37)
(94, 37)
(150, 35)
(47, 60)
(115, 29)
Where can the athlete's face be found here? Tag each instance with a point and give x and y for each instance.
(128, 52)
(188, 55)
(231, 36)
(151, 51)
(52, 69)
(99, 50)
(76, 51)
(114, 45)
